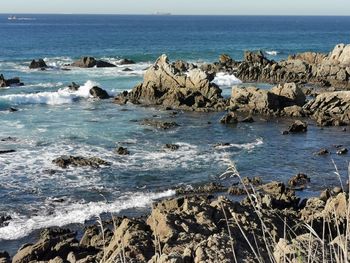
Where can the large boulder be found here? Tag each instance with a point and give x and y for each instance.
(293, 94)
(164, 84)
(90, 62)
(330, 108)
(99, 93)
(339, 55)
(252, 99)
(38, 64)
(9, 82)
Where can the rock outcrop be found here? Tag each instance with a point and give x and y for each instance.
(39, 64)
(90, 62)
(9, 82)
(273, 101)
(330, 108)
(169, 85)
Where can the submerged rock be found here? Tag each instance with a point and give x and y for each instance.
(164, 125)
(40, 64)
(126, 61)
(66, 161)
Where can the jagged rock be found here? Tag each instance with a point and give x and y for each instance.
(165, 85)
(339, 55)
(53, 242)
(299, 180)
(229, 118)
(225, 59)
(330, 108)
(9, 82)
(342, 151)
(207, 188)
(38, 64)
(255, 100)
(255, 57)
(65, 161)
(123, 151)
(298, 127)
(99, 93)
(172, 147)
(90, 62)
(132, 237)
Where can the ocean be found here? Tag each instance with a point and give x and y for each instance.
(51, 122)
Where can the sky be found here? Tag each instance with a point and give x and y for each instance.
(195, 7)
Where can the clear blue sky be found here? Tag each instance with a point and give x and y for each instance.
(214, 7)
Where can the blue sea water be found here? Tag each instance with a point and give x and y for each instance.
(52, 122)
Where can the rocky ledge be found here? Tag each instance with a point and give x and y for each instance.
(178, 85)
(271, 224)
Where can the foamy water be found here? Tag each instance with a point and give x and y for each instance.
(66, 214)
(226, 80)
(62, 96)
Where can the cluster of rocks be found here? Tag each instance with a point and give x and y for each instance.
(90, 62)
(96, 92)
(66, 161)
(178, 85)
(308, 67)
(9, 82)
(202, 228)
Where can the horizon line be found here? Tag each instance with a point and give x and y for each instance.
(172, 14)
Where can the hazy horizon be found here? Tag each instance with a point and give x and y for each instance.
(181, 7)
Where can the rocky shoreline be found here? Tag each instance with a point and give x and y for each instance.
(203, 224)
(270, 223)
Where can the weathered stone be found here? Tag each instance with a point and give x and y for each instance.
(99, 93)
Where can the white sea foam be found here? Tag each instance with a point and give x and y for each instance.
(44, 85)
(246, 146)
(227, 80)
(77, 213)
(272, 53)
(62, 96)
